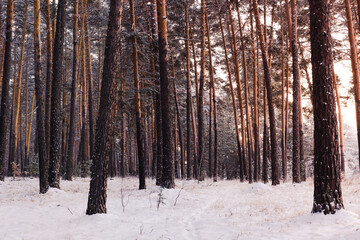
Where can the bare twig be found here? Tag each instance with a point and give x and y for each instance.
(182, 187)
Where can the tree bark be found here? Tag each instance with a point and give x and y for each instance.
(139, 126)
(213, 113)
(56, 91)
(274, 162)
(40, 124)
(243, 161)
(49, 56)
(355, 67)
(296, 95)
(99, 167)
(327, 179)
(189, 159)
(167, 158)
(4, 111)
(74, 84)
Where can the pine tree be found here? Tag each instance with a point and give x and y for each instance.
(100, 162)
(327, 179)
(167, 180)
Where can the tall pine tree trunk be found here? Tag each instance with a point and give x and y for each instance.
(327, 179)
(40, 118)
(264, 51)
(4, 111)
(99, 167)
(355, 67)
(49, 52)
(214, 105)
(139, 126)
(56, 91)
(189, 159)
(167, 158)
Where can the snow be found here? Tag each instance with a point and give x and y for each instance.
(205, 210)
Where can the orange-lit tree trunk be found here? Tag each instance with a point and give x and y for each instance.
(355, 67)
(256, 110)
(247, 110)
(243, 161)
(338, 103)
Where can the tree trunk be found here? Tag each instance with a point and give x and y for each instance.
(139, 126)
(274, 162)
(283, 104)
(338, 103)
(178, 119)
(4, 112)
(74, 84)
(243, 161)
(90, 86)
(167, 158)
(213, 112)
(49, 56)
(189, 159)
(231, 90)
(296, 95)
(355, 67)
(201, 158)
(40, 124)
(56, 91)
(327, 179)
(256, 111)
(99, 167)
(247, 110)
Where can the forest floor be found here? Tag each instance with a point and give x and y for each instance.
(193, 210)
(206, 210)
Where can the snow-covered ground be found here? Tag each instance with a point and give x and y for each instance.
(206, 210)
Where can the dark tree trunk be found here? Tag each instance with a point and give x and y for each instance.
(256, 111)
(49, 52)
(167, 158)
(264, 51)
(4, 112)
(327, 176)
(178, 120)
(40, 124)
(90, 87)
(201, 159)
(56, 91)
(100, 162)
(189, 172)
(74, 84)
(139, 124)
(296, 94)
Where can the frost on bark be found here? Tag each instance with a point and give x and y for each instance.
(327, 189)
